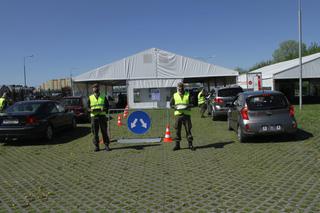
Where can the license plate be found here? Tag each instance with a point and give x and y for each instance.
(14, 121)
(264, 128)
(271, 128)
(275, 128)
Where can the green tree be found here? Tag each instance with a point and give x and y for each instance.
(240, 70)
(288, 50)
(261, 64)
(313, 48)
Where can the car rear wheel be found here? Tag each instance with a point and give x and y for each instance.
(241, 135)
(209, 109)
(49, 133)
(73, 123)
(229, 124)
(214, 116)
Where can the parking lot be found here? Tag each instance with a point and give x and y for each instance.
(273, 174)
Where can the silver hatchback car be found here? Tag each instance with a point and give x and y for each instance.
(261, 112)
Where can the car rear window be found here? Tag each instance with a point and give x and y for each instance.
(267, 101)
(71, 102)
(24, 107)
(229, 92)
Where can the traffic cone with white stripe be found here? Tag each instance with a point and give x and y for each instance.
(126, 112)
(167, 137)
(119, 121)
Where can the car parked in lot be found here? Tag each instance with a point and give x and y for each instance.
(221, 98)
(34, 119)
(261, 112)
(77, 105)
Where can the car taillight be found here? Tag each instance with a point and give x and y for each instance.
(32, 120)
(291, 111)
(218, 100)
(244, 113)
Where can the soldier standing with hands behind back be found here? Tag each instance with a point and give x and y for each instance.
(181, 103)
(3, 102)
(98, 105)
(202, 101)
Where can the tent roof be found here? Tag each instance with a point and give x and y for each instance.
(274, 69)
(155, 64)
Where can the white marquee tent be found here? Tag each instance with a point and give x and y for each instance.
(150, 74)
(290, 70)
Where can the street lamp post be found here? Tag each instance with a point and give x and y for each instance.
(71, 80)
(300, 56)
(24, 69)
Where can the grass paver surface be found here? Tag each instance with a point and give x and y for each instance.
(267, 174)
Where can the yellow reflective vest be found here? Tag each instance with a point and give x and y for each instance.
(184, 100)
(201, 99)
(2, 101)
(97, 104)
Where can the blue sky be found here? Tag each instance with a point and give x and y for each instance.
(74, 36)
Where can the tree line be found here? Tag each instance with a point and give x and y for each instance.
(287, 50)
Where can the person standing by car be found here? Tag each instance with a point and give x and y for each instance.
(98, 105)
(181, 103)
(202, 101)
(3, 102)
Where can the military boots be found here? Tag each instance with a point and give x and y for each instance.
(191, 147)
(177, 146)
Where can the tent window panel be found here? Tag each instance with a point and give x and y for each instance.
(143, 95)
(136, 96)
(305, 88)
(315, 87)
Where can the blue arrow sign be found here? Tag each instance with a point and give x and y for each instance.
(139, 122)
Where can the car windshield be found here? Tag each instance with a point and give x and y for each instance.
(267, 101)
(229, 92)
(24, 107)
(71, 102)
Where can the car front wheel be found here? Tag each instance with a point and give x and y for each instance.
(49, 133)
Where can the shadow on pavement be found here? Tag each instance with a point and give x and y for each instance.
(61, 137)
(219, 145)
(136, 147)
(300, 135)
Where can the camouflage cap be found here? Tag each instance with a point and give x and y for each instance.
(180, 84)
(95, 85)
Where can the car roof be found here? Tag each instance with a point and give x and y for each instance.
(72, 97)
(227, 87)
(38, 101)
(261, 92)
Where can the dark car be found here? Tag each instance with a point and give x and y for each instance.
(261, 113)
(77, 105)
(34, 119)
(220, 100)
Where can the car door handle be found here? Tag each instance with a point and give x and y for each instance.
(269, 113)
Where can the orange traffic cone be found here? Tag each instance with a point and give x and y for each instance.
(126, 112)
(119, 120)
(167, 137)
